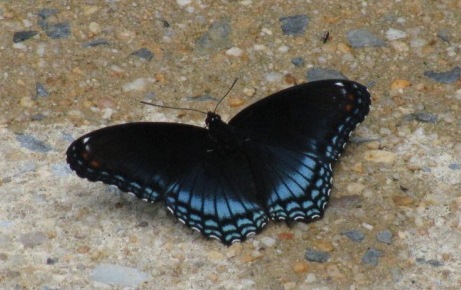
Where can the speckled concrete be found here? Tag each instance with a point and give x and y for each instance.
(58, 231)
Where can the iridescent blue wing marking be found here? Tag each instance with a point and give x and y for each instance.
(217, 198)
(294, 136)
(296, 185)
(208, 191)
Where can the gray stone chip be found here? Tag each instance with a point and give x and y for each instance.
(363, 38)
(447, 77)
(294, 25)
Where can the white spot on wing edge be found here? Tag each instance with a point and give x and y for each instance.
(85, 140)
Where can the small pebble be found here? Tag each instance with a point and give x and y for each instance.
(454, 166)
(183, 2)
(268, 242)
(40, 91)
(234, 51)
(394, 34)
(300, 267)
(23, 35)
(51, 261)
(354, 235)
(136, 85)
(371, 257)
(401, 200)
(273, 77)
(47, 12)
(310, 278)
(316, 256)
(316, 74)
(400, 84)
(294, 25)
(118, 275)
(217, 37)
(444, 35)
(431, 262)
(96, 42)
(34, 239)
(143, 53)
(379, 156)
(32, 143)
(384, 237)
(95, 28)
(435, 263)
(447, 77)
(298, 61)
(363, 38)
(425, 117)
(58, 30)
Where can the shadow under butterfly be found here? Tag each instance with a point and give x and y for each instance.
(272, 161)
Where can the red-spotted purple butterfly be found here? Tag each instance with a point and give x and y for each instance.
(271, 161)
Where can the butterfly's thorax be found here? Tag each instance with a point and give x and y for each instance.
(221, 135)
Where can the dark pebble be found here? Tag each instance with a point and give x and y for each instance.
(371, 257)
(143, 53)
(165, 23)
(316, 256)
(444, 35)
(298, 61)
(51, 261)
(37, 117)
(96, 42)
(23, 35)
(354, 235)
(454, 166)
(143, 224)
(424, 117)
(32, 143)
(43, 15)
(217, 37)
(40, 91)
(58, 30)
(294, 25)
(363, 38)
(316, 74)
(435, 263)
(432, 262)
(384, 237)
(47, 12)
(447, 77)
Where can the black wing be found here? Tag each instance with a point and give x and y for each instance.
(208, 191)
(293, 136)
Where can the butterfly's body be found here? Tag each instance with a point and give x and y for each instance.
(271, 161)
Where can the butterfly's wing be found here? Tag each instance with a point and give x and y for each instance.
(206, 190)
(293, 137)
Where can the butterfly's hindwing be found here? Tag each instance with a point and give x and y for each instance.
(218, 199)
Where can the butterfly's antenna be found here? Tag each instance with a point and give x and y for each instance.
(174, 108)
(230, 89)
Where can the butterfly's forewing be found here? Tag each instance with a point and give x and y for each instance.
(294, 136)
(141, 158)
(315, 117)
(207, 190)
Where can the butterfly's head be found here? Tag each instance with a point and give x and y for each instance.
(212, 118)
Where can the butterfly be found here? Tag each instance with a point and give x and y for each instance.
(271, 161)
